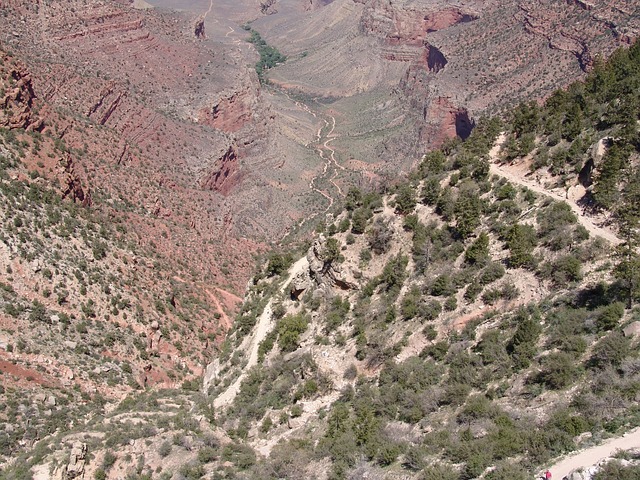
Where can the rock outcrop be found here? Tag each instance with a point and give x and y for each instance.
(198, 30)
(440, 118)
(71, 183)
(540, 22)
(234, 110)
(225, 173)
(433, 58)
(75, 466)
(17, 97)
(268, 7)
(408, 25)
(153, 337)
(324, 269)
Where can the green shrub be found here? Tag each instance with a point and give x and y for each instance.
(559, 370)
(430, 310)
(266, 425)
(109, 460)
(443, 286)
(192, 471)
(440, 472)
(478, 251)
(492, 272)
(359, 220)
(522, 346)
(410, 305)
(38, 313)
(207, 454)
(451, 304)
(615, 469)
(508, 471)
(290, 328)
(278, 264)
(521, 240)
(165, 449)
(242, 456)
(610, 316)
(380, 236)
(405, 199)
(610, 351)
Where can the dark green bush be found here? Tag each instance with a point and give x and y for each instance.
(559, 370)
(610, 316)
(290, 328)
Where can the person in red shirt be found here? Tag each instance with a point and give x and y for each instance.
(547, 475)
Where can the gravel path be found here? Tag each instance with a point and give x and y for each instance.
(595, 454)
(587, 222)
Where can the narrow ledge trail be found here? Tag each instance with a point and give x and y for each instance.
(496, 168)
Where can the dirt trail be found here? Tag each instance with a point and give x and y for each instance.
(330, 160)
(510, 174)
(591, 456)
(251, 343)
(227, 297)
(208, 11)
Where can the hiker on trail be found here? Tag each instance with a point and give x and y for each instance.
(547, 475)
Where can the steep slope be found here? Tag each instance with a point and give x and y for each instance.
(182, 111)
(464, 326)
(462, 322)
(92, 307)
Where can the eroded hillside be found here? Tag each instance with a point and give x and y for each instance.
(476, 320)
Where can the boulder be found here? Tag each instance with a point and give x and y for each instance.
(75, 467)
(578, 475)
(299, 284)
(632, 330)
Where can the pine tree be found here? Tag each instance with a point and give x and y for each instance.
(627, 270)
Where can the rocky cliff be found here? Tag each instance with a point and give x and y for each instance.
(17, 97)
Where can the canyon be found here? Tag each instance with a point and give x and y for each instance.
(165, 123)
(152, 117)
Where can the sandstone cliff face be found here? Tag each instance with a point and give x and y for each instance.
(433, 58)
(408, 25)
(225, 174)
(17, 96)
(440, 118)
(443, 120)
(233, 110)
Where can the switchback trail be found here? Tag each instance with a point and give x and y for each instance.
(496, 168)
(593, 455)
(330, 164)
(251, 343)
